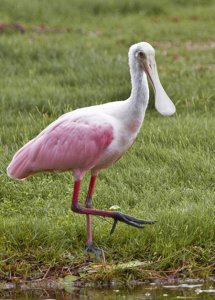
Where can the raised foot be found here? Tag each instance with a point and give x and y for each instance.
(92, 249)
(132, 221)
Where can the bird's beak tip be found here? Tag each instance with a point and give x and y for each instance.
(168, 113)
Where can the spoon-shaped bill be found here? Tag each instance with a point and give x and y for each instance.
(163, 104)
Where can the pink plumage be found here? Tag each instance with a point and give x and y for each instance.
(67, 144)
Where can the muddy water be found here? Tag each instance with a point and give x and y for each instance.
(155, 290)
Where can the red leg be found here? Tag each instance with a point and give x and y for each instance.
(117, 216)
(88, 211)
(89, 205)
(91, 187)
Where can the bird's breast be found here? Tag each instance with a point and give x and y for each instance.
(134, 126)
(128, 134)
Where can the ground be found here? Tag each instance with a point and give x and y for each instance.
(58, 56)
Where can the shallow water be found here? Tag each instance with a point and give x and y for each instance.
(155, 290)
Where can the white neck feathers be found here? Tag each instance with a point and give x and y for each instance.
(140, 90)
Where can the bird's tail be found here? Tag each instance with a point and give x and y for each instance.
(19, 166)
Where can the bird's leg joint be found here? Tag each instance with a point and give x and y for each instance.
(77, 208)
(88, 202)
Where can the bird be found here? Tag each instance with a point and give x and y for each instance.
(93, 138)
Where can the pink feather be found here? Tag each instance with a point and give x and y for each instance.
(66, 144)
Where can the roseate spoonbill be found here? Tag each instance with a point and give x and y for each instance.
(94, 138)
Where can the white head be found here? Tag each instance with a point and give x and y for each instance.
(143, 55)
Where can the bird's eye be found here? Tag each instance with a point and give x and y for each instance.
(141, 54)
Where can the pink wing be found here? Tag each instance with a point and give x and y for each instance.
(64, 145)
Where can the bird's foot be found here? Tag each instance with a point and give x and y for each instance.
(92, 250)
(132, 221)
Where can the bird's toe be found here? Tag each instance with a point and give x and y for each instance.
(132, 221)
(91, 249)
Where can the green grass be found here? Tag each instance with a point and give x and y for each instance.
(168, 174)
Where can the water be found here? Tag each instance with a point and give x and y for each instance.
(155, 290)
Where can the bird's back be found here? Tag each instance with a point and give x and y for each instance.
(74, 141)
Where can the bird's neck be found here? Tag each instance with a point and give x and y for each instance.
(140, 91)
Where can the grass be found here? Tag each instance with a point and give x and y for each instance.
(168, 175)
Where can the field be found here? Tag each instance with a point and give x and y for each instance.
(58, 56)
